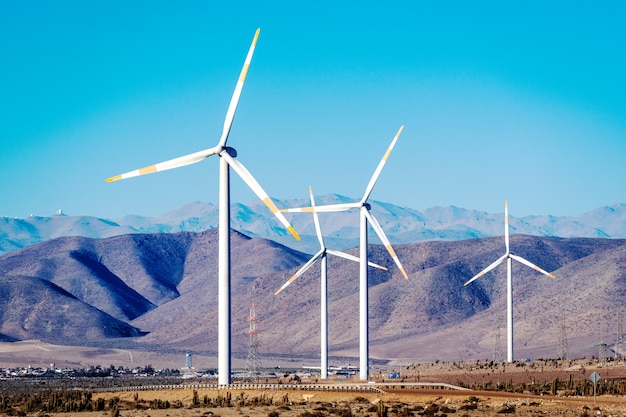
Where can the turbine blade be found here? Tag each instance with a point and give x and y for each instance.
(298, 210)
(316, 220)
(506, 226)
(532, 265)
(301, 271)
(324, 209)
(258, 190)
(232, 107)
(489, 268)
(198, 156)
(380, 166)
(381, 235)
(353, 258)
(181, 161)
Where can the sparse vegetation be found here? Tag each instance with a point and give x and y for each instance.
(547, 385)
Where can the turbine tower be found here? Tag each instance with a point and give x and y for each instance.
(322, 255)
(227, 160)
(508, 256)
(364, 209)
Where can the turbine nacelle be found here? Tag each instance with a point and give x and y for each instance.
(229, 150)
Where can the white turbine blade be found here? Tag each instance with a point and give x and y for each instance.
(316, 220)
(489, 268)
(181, 161)
(324, 209)
(380, 166)
(258, 190)
(506, 226)
(298, 210)
(198, 156)
(381, 235)
(301, 271)
(232, 107)
(532, 265)
(337, 207)
(353, 258)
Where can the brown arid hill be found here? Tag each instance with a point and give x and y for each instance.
(155, 296)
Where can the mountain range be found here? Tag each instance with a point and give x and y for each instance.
(341, 230)
(158, 292)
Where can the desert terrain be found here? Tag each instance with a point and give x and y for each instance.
(537, 388)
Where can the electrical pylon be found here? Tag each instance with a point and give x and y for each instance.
(563, 348)
(497, 351)
(253, 364)
(620, 337)
(603, 349)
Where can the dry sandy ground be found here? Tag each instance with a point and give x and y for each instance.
(40, 354)
(400, 403)
(404, 402)
(427, 402)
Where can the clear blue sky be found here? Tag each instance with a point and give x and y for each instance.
(524, 101)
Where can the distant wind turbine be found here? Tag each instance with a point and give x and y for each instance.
(227, 160)
(365, 216)
(321, 254)
(509, 282)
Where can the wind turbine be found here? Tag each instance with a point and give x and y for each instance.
(365, 216)
(321, 254)
(509, 282)
(227, 160)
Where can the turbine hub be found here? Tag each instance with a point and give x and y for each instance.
(367, 206)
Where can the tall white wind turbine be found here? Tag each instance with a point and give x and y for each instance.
(321, 254)
(364, 208)
(509, 282)
(227, 160)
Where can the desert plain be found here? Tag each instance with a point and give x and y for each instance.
(483, 388)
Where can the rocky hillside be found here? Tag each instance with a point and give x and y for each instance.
(159, 291)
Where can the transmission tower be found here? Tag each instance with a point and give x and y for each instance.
(618, 342)
(603, 349)
(497, 352)
(253, 365)
(562, 339)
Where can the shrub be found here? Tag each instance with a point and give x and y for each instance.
(506, 409)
